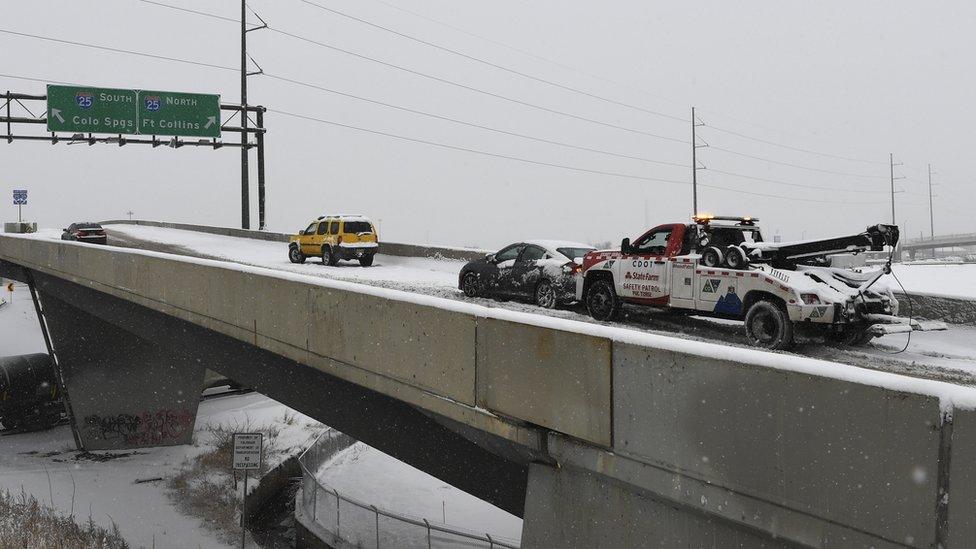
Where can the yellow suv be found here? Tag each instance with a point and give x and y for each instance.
(335, 237)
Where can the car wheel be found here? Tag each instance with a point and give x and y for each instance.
(471, 285)
(366, 260)
(712, 257)
(735, 258)
(329, 258)
(768, 326)
(601, 300)
(545, 295)
(295, 255)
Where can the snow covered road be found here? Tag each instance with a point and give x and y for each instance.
(948, 356)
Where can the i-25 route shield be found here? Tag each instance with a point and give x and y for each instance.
(91, 110)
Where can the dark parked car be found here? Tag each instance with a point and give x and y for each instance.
(85, 232)
(541, 270)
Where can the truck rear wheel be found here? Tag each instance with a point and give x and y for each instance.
(712, 257)
(735, 257)
(768, 326)
(601, 300)
(366, 260)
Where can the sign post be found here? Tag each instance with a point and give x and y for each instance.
(247, 457)
(20, 199)
(132, 112)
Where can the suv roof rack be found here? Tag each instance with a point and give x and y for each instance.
(705, 219)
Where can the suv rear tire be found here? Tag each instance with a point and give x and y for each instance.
(769, 326)
(295, 255)
(601, 300)
(366, 260)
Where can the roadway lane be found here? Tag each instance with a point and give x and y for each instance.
(948, 356)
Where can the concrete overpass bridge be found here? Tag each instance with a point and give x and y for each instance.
(947, 241)
(597, 436)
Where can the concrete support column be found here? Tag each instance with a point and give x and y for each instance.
(572, 507)
(125, 391)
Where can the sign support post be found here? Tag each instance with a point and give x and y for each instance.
(247, 457)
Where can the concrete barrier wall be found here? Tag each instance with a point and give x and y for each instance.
(388, 248)
(932, 307)
(831, 450)
(962, 480)
(556, 379)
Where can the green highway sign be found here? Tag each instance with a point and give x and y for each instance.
(91, 110)
(108, 110)
(174, 113)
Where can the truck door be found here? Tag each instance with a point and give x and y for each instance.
(307, 238)
(644, 272)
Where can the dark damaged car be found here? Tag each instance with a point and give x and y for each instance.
(543, 271)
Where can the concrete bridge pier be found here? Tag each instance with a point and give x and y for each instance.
(123, 391)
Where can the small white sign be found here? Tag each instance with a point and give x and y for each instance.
(247, 451)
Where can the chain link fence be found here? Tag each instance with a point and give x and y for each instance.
(354, 523)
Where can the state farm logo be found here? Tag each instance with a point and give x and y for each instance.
(640, 276)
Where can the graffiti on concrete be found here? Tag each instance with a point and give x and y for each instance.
(146, 428)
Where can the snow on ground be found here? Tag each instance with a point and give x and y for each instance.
(372, 477)
(46, 465)
(20, 333)
(958, 281)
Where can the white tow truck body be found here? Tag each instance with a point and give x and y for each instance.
(665, 268)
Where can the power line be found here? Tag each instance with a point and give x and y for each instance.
(798, 166)
(471, 88)
(490, 63)
(435, 78)
(541, 163)
(117, 50)
(187, 10)
(609, 80)
(789, 147)
(791, 184)
(471, 124)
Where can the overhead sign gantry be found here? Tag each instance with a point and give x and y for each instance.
(132, 112)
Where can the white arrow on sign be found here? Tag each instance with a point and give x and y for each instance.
(211, 120)
(56, 113)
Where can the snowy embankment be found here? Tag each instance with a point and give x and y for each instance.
(952, 281)
(374, 478)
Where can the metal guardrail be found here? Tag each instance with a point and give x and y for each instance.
(355, 523)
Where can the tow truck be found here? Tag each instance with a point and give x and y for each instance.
(720, 266)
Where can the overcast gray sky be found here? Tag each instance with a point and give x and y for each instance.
(846, 79)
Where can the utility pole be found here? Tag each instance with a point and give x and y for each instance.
(891, 165)
(694, 162)
(245, 187)
(931, 209)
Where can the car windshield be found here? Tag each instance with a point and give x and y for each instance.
(88, 226)
(357, 227)
(573, 253)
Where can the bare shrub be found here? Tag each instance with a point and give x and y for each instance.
(24, 522)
